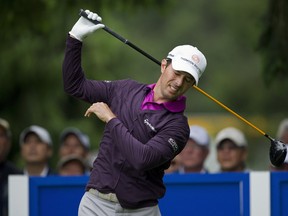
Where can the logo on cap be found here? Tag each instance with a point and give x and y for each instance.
(195, 58)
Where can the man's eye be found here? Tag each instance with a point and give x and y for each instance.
(189, 80)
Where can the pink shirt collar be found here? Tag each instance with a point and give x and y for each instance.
(173, 106)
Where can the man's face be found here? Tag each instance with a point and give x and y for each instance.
(4, 144)
(172, 83)
(33, 150)
(231, 157)
(72, 146)
(193, 155)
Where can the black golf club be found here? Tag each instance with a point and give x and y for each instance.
(277, 152)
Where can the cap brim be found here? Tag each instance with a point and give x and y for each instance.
(38, 132)
(180, 66)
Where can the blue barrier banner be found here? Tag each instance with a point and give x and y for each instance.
(55, 195)
(223, 194)
(206, 194)
(279, 193)
(189, 194)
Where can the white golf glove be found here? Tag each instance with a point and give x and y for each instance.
(84, 27)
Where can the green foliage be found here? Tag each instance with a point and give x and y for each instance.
(274, 42)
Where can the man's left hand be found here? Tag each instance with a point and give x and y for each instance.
(101, 110)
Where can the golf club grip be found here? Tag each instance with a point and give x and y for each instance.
(85, 15)
(119, 37)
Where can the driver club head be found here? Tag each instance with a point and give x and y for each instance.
(277, 152)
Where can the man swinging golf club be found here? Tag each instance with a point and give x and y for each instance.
(145, 127)
(278, 149)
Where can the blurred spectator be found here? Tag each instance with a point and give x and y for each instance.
(195, 152)
(6, 167)
(74, 142)
(71, 165)
(174, 165)
(231, 147)
(36, 150)
(282, 135)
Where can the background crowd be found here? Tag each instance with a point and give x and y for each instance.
(75, 157)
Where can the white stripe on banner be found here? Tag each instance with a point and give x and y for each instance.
(260, 194)
(18, 198)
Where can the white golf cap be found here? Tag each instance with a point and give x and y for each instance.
(199, 135)
(189, 59)
(233, 134)
(41, 132)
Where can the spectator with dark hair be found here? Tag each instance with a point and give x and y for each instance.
(231, 147)
(72, 165)
(73, 142)
(6, 167)
(36, 151)
(195, 152)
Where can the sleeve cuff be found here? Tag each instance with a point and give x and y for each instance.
(112, 123)
(72, 41)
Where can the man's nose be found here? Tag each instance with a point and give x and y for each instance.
(180, 80)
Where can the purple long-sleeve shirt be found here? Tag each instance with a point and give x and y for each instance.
(138, 145)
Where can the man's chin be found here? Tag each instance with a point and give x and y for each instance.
(173, 96)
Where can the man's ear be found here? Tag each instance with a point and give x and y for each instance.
(163, 65)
